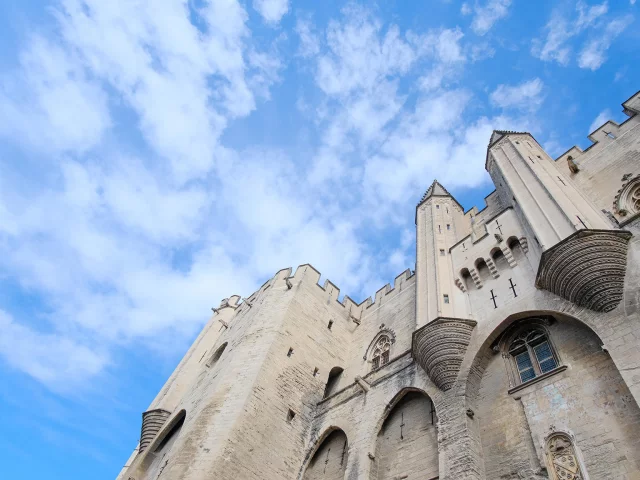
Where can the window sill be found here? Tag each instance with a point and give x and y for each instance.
(539, 378)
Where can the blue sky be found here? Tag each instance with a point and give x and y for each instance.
(160, 156)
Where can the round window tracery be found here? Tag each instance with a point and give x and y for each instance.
(635, 199)
(627, 202)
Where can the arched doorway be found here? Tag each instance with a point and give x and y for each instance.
(329, 462)
(544, 371)
(407, 443)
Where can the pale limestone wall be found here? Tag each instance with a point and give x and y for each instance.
(407, 444)
(589, 399)
(393, 308)
(330, 461)
(440, 224)
(237, 423)
(605, 162)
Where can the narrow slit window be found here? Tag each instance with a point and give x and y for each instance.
(290, 352)
(315, 372)
(330, 324)
(290, 415)
(448, 226)
(442, 252)
(446, 298)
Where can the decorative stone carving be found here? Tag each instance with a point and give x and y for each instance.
(587, 268)
(439, 348)
(563, 463)
(627, 201)
(152, 422)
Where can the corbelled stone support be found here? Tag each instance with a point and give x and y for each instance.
(439, 348)
(587, 268)
(152, 422)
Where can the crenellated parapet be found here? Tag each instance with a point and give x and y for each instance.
(600, 137)
(439, 348)
(307, 274)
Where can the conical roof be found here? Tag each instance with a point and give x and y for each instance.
(436, 189)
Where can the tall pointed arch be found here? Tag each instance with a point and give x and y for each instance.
(329, 461)
(407, 440)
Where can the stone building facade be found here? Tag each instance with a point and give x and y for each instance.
(512, 352)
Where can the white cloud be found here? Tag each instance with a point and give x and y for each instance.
(587, 15)
(141, 217)
(50, 101)
(309, 41)
(466, 9)
(271, 10)
(527, 95)
(590, 19)
(53, 359)
(593, 54)
(554, 47)
(485, 16)
(600, 120)
(482, 51)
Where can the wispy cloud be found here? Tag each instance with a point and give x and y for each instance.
(600, 120)
(593, 54)
(590, 20)
(271, 10)
(486, 15)
(525, 96)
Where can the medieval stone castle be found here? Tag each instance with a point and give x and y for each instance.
(512, 352)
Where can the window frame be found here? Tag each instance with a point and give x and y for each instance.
(380, 355)
(518, 340)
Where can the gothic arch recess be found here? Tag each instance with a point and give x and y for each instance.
(600, 400)
(407, 440)
(329, 461)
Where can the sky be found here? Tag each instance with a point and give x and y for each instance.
(158, 156)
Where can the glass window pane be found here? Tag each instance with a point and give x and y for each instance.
(525, 367)
(545, 357)
(385, 357)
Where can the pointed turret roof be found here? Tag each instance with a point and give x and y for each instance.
(437, 190)
(498, 134)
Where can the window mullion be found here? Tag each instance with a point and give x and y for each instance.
(534, 360)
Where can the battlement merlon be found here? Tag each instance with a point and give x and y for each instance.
(606, 132)
(308, 274)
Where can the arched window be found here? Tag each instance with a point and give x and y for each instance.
(497, 255)
(532, 354)
(172, 433)
(216, 355)
(562, 459)
(466, 279)
(332, 381)
(516, 248)
(381, 352)
(482, 268)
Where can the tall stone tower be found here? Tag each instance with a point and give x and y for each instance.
(440, 223)
(511, 352)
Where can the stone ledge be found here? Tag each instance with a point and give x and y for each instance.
(539, 378)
